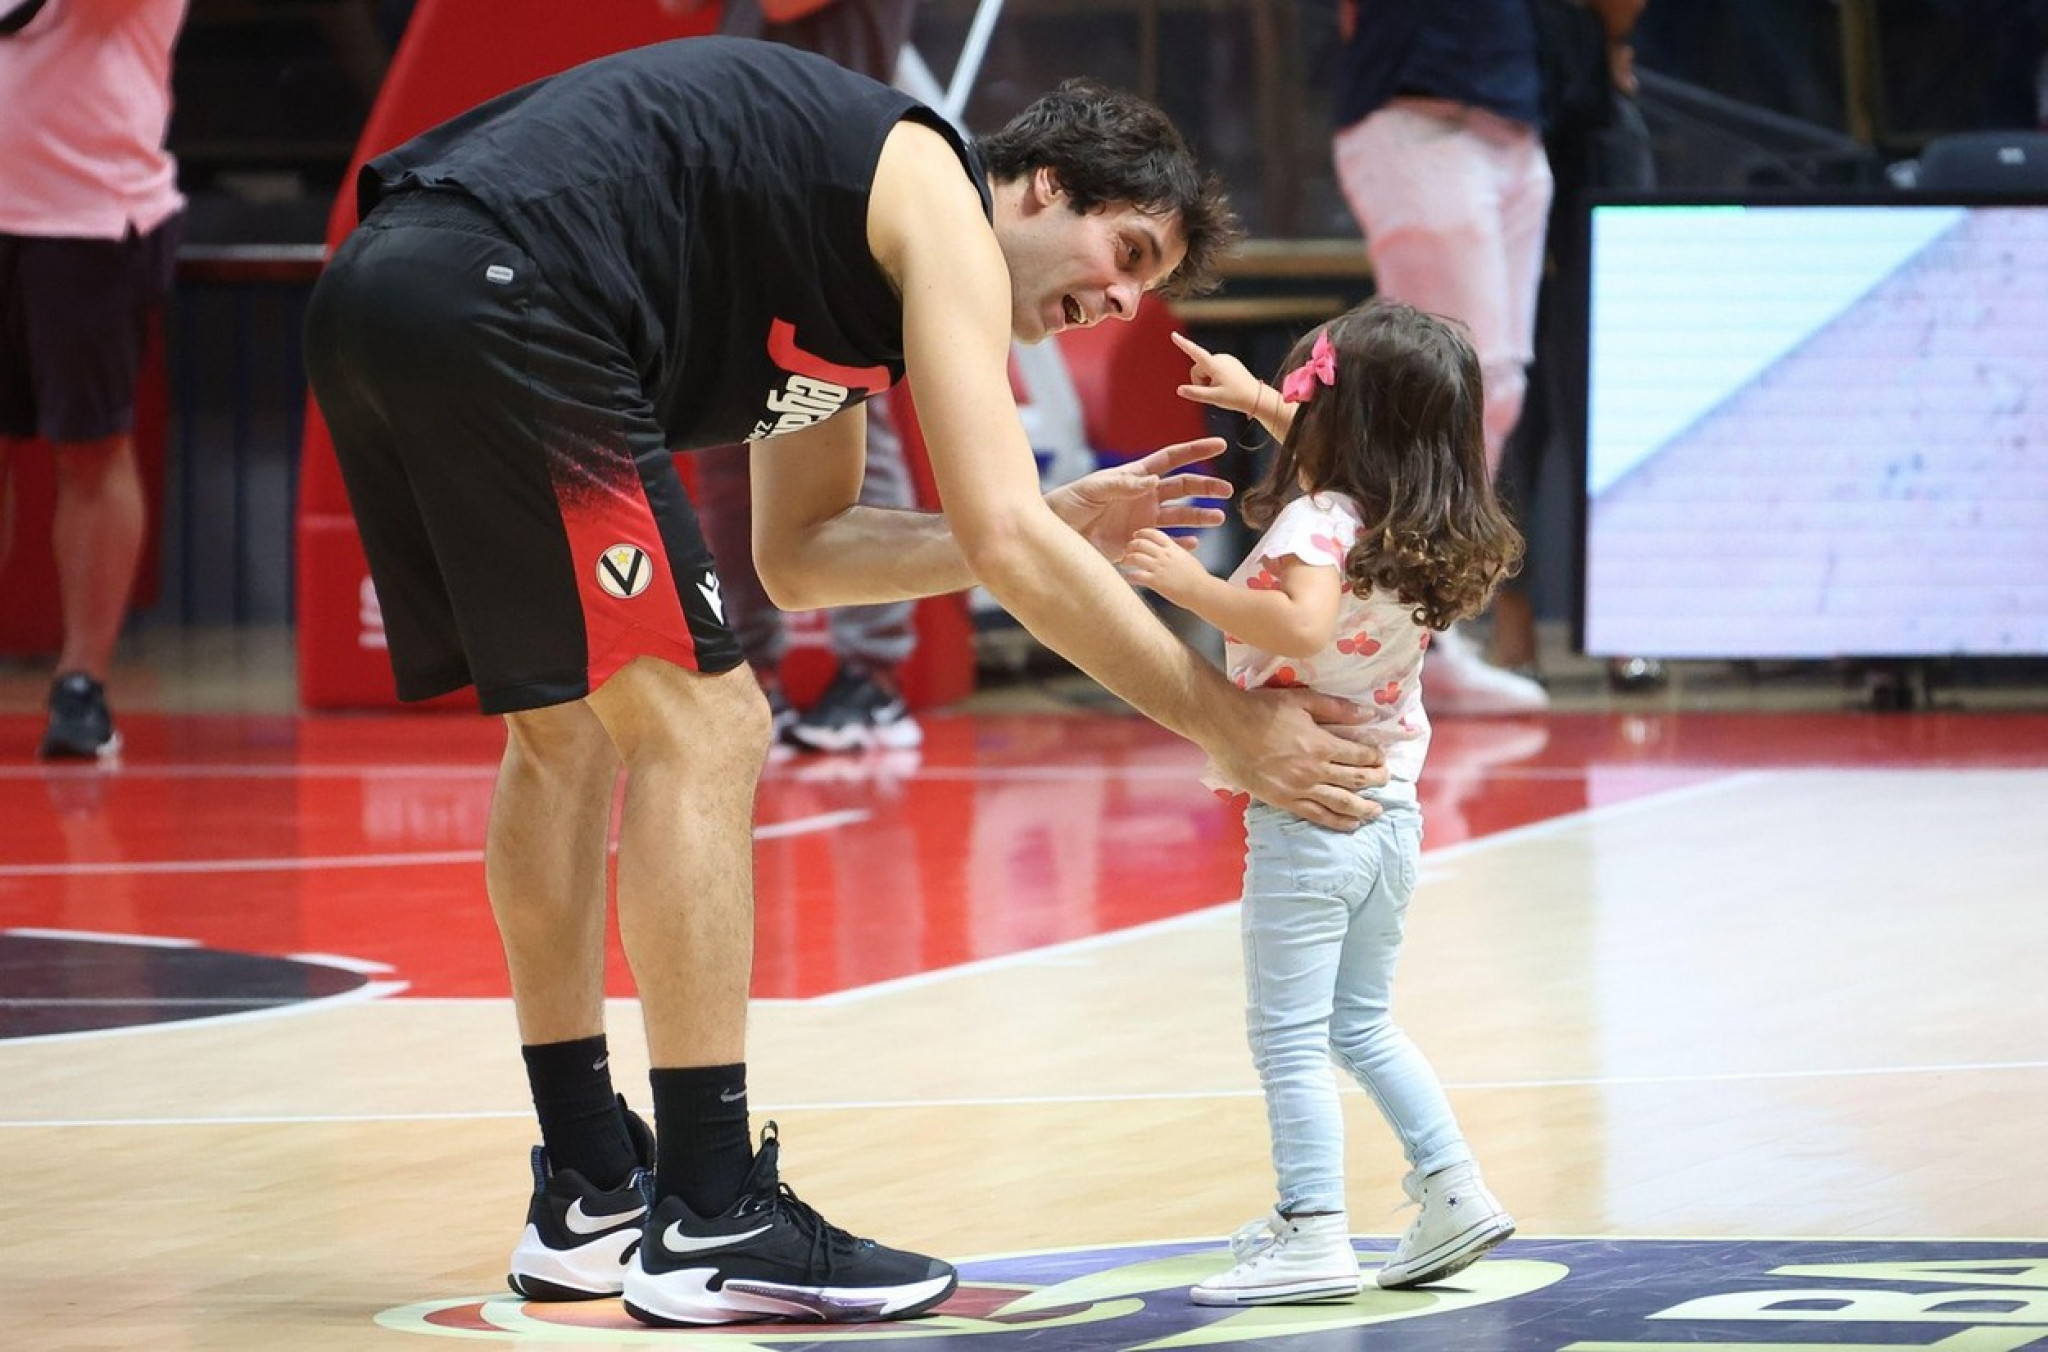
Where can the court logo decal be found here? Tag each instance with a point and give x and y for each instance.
(625, 571)
(1530, 1295)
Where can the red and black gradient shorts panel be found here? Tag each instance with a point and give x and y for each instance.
(524, 524)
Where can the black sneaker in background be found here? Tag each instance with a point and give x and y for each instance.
(856, 713)
(81, 726)
(769, 1258)
(580, 1239)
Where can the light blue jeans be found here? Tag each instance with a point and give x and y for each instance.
(1324, 913)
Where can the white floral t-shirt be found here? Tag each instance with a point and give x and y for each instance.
(1374, 657)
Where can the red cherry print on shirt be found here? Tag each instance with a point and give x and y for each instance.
(1387, 693)
(1265, 581)
(1285, 679)
(1361, 643)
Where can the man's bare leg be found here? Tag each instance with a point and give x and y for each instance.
(545, 863)
(693, 746)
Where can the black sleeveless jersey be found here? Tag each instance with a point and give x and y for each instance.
(704, 203)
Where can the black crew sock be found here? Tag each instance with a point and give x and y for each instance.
(581, 1122)
(700, 1118)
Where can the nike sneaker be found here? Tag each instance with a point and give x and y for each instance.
(771, 1258)
(580, 1238)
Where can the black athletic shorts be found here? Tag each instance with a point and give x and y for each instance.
(75, 315)
(524, 523)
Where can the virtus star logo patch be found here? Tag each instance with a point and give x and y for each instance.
(624, 571)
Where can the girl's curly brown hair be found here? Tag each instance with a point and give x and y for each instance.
(1402, 434)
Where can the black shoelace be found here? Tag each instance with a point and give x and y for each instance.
(825, 1238)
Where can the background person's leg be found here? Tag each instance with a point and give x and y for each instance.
(1428, 187)
(97, 535)
(863, 707)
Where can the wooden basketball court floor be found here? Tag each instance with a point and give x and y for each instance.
(1744, 1013)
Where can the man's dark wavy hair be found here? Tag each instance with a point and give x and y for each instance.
(1107, 148)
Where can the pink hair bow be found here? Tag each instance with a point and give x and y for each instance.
(1321, 365)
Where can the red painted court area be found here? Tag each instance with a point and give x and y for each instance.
(363, 837)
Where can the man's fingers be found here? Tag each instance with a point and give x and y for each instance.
(1168, 458)
(1190, 516)
(1199, 486)
(1334, 808)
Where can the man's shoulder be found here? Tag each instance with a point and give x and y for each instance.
(927, 179)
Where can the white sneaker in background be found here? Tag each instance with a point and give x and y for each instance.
(1457, 680)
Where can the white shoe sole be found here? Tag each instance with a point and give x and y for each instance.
(1281, 1293)
(685, 1297)
(587, 1272)
(1449, 1258)
(902, 735)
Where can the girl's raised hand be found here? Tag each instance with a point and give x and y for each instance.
(1163, 563)
(1217, 378)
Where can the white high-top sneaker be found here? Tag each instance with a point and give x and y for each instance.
(1459, 1221)
(1308, 1258)
(1256, 1236)
(1457, 680)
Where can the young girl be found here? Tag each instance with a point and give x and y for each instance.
(1381, 528)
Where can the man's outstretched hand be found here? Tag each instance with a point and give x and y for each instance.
(1111, 505)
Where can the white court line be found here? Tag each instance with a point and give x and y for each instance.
(102, 937)
(480, 770)
(1057, 1100)
(1431, 859)
(826, 821)
(143, 1002)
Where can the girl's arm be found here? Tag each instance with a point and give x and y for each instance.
(1290, 610)
(1221, 380)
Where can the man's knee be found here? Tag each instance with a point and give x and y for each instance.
(563, 743)
(655, 710)
(91, 467)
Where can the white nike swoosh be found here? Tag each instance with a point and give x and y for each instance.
(583, 1223)
(675, 1241)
